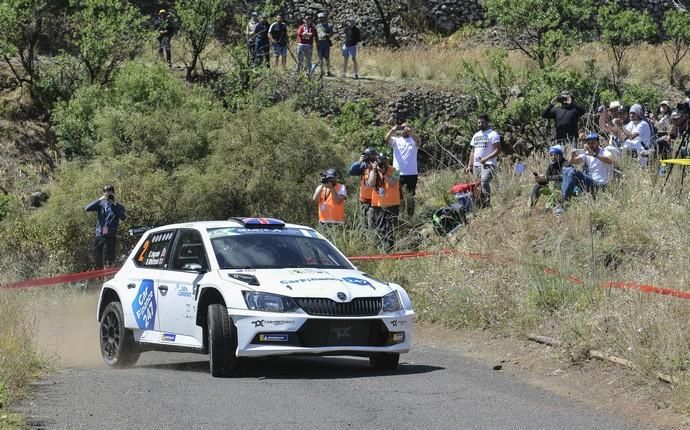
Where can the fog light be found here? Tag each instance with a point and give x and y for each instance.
(396, 337)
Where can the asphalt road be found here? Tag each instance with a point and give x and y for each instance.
(432, 389)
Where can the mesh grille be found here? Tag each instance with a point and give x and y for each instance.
(365, 306)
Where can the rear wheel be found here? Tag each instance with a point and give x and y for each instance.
(117, 343)
(384, 361)
(222, 342)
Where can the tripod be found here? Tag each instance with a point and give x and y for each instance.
(683, 144)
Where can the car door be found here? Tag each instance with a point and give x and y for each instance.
(177, 290)
(140, 305)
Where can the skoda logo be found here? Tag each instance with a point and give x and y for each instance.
(341, 295)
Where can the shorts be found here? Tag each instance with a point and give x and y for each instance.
(279, 51)
(408, 183)
(350, 51)
(323, 48)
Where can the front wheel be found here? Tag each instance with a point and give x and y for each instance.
(384, 361)
(222, 342)
(117, 343)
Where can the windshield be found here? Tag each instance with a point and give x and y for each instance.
(276, 251)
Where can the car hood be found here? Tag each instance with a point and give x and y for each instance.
(320, 283)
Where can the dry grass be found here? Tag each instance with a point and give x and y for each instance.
(632, 232)
(19, 362)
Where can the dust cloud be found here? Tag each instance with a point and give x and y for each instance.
(67, 330)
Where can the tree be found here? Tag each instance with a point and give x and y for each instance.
(544, 30)
(107, 32)
(197, 21)
(386, 10)
(621, 29)
(21, 25)
(677, 28)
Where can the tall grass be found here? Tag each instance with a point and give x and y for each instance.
(631, 232)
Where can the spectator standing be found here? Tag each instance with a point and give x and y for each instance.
(566, 117)
(554, 174)
(278, 34)
(324, 33)
(330, 196)
(362, 168)
(261, 43)
(249, 34)
(164, 25)
(385, 200)
(486, 145)
(405, 148)
(599, 164)
(352, 39)
(109, 214)
(306, 33)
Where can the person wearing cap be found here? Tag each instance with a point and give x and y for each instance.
(109, 214)
(637, 135)
(361, 168)
(164, 25)
(261, 43)
(554, 174)
(405, 147)
(324, 32)
(385, 200)
(278, 33)
(566, 117)
(662, 125)
(350, 43)
(483, 159)
(599, 163)
(249, 34)
(680, 128)
(330, 197)
(606, 116)
(306, 33)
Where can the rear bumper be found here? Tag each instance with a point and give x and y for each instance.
(260, 334)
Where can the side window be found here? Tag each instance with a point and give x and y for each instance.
(189, 251)
(154, 250)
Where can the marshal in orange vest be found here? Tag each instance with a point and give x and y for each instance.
(330, 211)
(386, 193)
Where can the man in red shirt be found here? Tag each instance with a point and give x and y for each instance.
(306, 33)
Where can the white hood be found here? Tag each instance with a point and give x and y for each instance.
(313, 283)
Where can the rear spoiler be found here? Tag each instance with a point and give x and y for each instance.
(138, 230)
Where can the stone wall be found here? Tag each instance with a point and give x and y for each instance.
(428, 104)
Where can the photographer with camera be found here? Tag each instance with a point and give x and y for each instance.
(385, 200)
(361, 168)
(405, 148)
(108, 218)
(330, 196)
(566, 117)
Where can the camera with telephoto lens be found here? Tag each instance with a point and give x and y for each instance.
(324, 179)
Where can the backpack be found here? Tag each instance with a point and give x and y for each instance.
(447, 220)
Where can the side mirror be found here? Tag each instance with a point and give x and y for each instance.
(194, 267)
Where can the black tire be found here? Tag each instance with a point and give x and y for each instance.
(222, 342)
(384, 361)
(117, 342)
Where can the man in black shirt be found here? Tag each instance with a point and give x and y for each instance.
(352, 38)
(278, 33)
(566, 117)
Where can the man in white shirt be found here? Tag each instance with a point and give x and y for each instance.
(599, 164)
(486, 145)
(405, 148)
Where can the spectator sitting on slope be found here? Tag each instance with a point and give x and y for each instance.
(554, 174)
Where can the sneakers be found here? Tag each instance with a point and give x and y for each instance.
(356, 76)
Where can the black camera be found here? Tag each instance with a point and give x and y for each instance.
(561, 99)
(325, 180)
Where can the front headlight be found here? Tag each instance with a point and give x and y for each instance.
(391, 302)
(269, 302)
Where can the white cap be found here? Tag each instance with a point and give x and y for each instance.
(614, 104)
(321, 15)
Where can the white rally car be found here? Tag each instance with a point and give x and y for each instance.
(248, 287)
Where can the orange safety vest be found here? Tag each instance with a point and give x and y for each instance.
(329, 210)
(388, 194)
(365, 191)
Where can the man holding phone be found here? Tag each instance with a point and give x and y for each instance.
(566, 117)
(405, 148)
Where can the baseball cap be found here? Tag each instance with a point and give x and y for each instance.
(162, 11)
(592, 136)
(556, 149)
(255, 14)
(370, 151)
(614, 104)
(330, 174)
(665, 102)
(321, 15)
